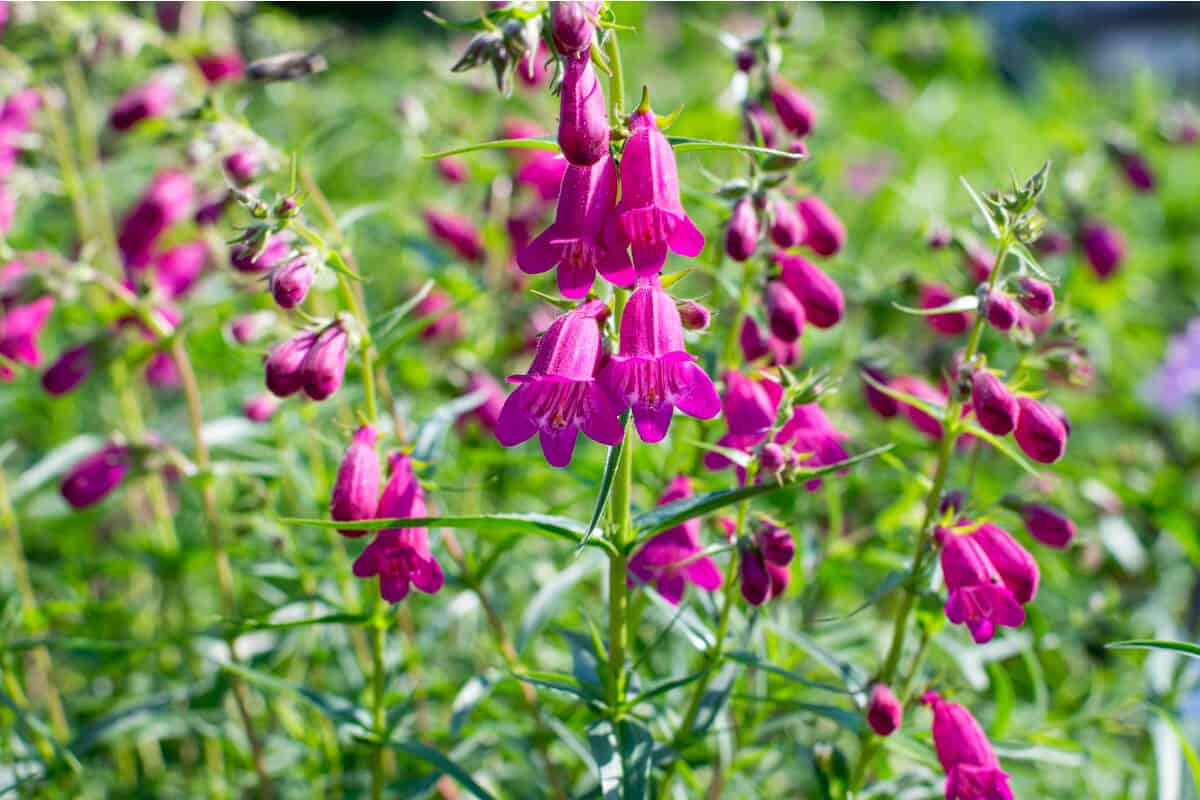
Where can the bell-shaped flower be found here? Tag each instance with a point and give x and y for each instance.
(20, 327)
(356, 488)
(582, 116)
(810, 432)
(763, 563)
(978, 596)
(750, 407)
(93, 478)
(972, 769)
(325, 365)
(820, 295)
(652, 372)
(1039, 432)
(671, 559)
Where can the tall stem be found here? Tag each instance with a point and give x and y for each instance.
(616, 81)
(622, 528)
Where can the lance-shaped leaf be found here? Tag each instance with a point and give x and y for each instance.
(1186, 648)
(529, 143)
(965, 303)
(442, 763)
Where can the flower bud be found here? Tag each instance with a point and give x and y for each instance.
(995, 406)
(751, 339)
(979, 261)
(882, 404)
(793, 108)
(694, 316)
(571, 24)
(1048, 525)
(823, 231)
(325, 364)
(1039, 432)
(771, 458)
(760, 125)
(1137, 172)
(290, 282)
(151, 99)
(939, 238)
(242, 166)
(785, 314)
(741, 235)
(176, 269)
(250, 327)
(284, 366)
(953, 323)
(242, 258)
(456, 232)
(260, 408)
(221, 67)
(583, 117)
(356, 487)
(70, 370)
(744, 60)
(1036, 297)
(817, 292)
(453, 169)
(1000, 310)
(1053, 243)
(162, 372)
(93, 478)
(884, 711)
(787, 229)
(211, 208)
(1103, 246)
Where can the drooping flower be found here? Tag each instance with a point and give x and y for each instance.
(151, 99)
(69, 370)
(94, 478)
(820, 295)
(559, 395)
(177, 268)
(823, 231)
(650, 213)
(671, 559)
(1103, 246)
(290, 282)
(1039, 432)
(582, 116)
(356, 488)
(260, 408)
(750, 337)
(1016, 566)
(978, 595)
(972, 769)
(950, 323)
(995, 406)
(221, 67)
(763, 562)
(284, 368)
(810, 431)
(793, 108)
(1048, 525)
(884, 710)
(741, 234)
(750, 408)
(576, 241)
(785, 314)
(652, 372)
(787, 228)
(20, 327)
(167, 200)
(325, 364)
(456, 232)
(1036, 297)
(572, 25)
(401, 557)
(1000, 310)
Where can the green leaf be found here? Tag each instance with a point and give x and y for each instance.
(607, 478)
(751, 660)
(469, 696)
(1189, 752)
(968, 302)
(1004, 699)
(984, 208)
(1003, 446)
(431, 434)
(662, 687)
(548, 525)
(531, 143)
(685, 144)
(1187, 648)
(850, 720)
(1028, 259)
(605, 747)
(894, 579)
(337, 709)
(547, 598)
(662, 518)
(555, 681)
(637, 751)
(442, 763)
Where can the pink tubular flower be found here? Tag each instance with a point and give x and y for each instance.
(1103, 246)
(559, 395)
(793, 108)
(995, 406)
(260, 408)
(445, 324)
(653, 372)
(543, 172)
(291, 281)
(151, 99)
(1036, 297)
(884, 711)
(20, 327)
(750, 337)
(325, 365)
(1137, 172)
(650, 213)
(785, 314)
(69, 370)
(93, 478)
(1015, 565)
(921, 390)
(285, 365)
(220, 67)
(453, 169)
(582, 115)
(167, 200)
(456, 232)
(979, 596)
(882, 404)
(787, 229)
(401, 556)
(760, 125)
(810, 431)
(211, 208)
(972, 769)
(952, 323)
(162, 372)
(575, 241)
(763, 563)
(242, 256)
(820, 295)
(1039, 432)
(670, 559)
(1048, 525)
(1001, 310)
(750, 408)
(356, 488)
(176, 269)
(741, 235)
(571, 24)
(823, 231)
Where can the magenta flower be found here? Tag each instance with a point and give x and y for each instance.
(1103, 247)
(242, 166)
(820, 295)
(670, 559)
(572, 25)
(1036, 297)
(162, 372)
(211, 208)
(69, 370)
(260, 408)
(793, 108)
(220, 67)
(884, 710)
(750, 408)
(760, 125)
(741, 234)
(575, 241)
(20, 327)
(249, 328)
(1053, 243)
(782, 353)
(979, 261)
(972, 769)
(921, 390)
(650, 213)
(401, 556)
(810, 431)
(989, 576)
(356, 487)
(93, 478)
(582, 116)
(787, 228)
(242, 256)
(151, 99)
(994, 405)
(763, 563)
(166, 201)
(542, 172)
(1048, 525)
(952, 323)
(1039, 432)
(290, 282)
(694, 316)
(1137, 172)
(456, 232)
(531, 70)
(453, 169)
(785, 314)
(823, 231)
(325, 364)
(1016, 566)
(653, 373)
(882, 404)
(284, 366)
(559, 395)
(750, 337)
(176, 269)
(1000, 310)
(445, 324)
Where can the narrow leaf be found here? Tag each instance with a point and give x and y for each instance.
(1189, 752)
(442, 763)
(967, 302)
(555, 681)
(531, 143)
(637, 750)
(684, 144)
(983, 208)
(1003, 446)
(751, 660)
(606, 483)
(602, 741)
(1187, 648)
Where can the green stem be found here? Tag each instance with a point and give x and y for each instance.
(616, 80)
(379, 623)
(622, 528)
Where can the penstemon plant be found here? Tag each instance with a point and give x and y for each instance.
(336, 570)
